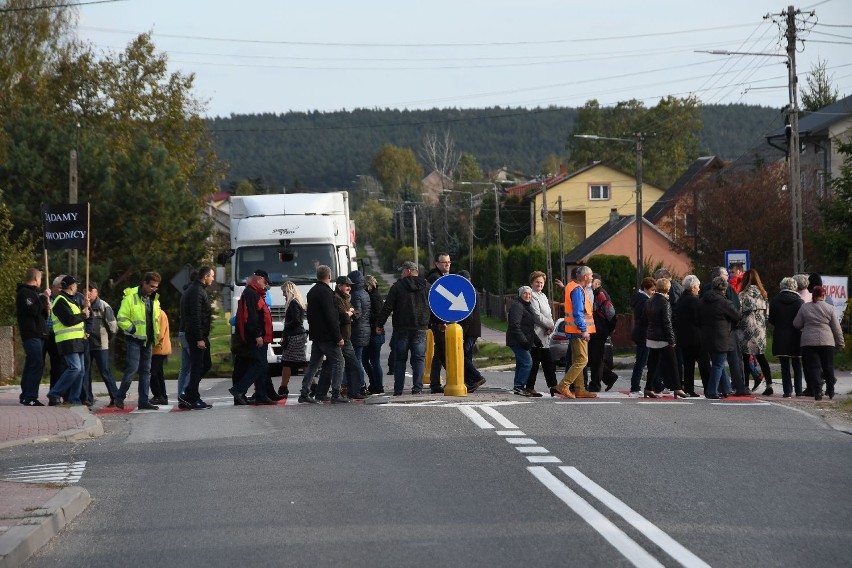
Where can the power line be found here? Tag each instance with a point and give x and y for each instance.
(52, 6)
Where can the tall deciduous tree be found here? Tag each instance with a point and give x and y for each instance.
(819, 91)
(16, 255)
(397, 169)
(673, 127)
(372, 221)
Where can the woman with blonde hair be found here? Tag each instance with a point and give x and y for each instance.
(754, 307)
(295, 337)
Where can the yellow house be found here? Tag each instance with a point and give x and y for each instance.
(585, 199)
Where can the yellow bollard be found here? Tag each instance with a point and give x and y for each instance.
(430, 352)
(454, 346)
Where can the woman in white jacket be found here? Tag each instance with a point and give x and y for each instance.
(543, 328)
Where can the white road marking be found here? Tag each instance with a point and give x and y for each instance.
(474, 416)
(634, 553)
(521, 441)
(501, 420)
(532, 450)
(588, 403)
(543, 459)
(664, 402)
(48, 473)
(739, 403)
(669, 545)
(510, 433)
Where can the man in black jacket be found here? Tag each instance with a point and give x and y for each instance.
(438, 326)
(408, 301)
(603, 311)
(324, 331)
(195, 321)
(32, 311)
(471, 331)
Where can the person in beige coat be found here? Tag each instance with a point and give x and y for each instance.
(159, 353)
(821, 335)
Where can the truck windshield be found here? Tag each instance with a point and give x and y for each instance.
(302, 269)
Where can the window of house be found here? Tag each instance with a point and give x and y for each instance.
(598, 191)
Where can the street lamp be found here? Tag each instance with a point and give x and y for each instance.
(638, 139)
(793, 149)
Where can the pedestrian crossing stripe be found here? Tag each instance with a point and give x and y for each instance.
(65, 473)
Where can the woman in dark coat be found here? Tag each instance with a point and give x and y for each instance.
(785, 339)
(371, 356)
(637, 334)
(718, 317)
(520, 337)
(360, 300)
(660, 339)
(688, 335)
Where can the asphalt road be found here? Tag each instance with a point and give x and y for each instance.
(509, 482)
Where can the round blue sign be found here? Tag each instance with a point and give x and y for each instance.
(452, 298)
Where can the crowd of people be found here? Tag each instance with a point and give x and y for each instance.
(676, 327)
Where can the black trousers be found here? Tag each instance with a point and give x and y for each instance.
(541, 356)
(597, 346)
(818, 365)
(158, 379)
(666, 359)
(692, 355)
(200, 363)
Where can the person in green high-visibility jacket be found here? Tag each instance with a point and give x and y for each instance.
(68, 326)
(139, 319)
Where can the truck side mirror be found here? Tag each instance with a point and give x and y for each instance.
(224, 257)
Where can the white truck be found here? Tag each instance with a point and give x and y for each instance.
(288, 236)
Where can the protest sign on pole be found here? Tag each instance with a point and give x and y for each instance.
(65, 226)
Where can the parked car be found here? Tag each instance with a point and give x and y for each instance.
(560, 350)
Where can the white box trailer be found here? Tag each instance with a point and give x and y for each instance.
(288, 236)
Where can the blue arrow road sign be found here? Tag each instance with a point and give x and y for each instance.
(452, 298)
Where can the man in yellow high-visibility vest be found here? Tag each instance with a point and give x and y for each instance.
(68, 326)
(139, 319)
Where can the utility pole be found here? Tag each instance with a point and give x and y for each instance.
(640, 262)
(72, 199)
(544, 218)
(499, 244)
(414, 223)
(794, 146)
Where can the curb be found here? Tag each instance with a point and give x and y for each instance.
(22, 541)
(92, 428)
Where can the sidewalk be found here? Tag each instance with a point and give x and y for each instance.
(33, 513)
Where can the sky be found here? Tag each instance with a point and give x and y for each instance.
(275, 56)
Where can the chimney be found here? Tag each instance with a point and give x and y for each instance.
(613, 216)
(563, 169)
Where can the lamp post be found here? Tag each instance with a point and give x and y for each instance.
(638, 139)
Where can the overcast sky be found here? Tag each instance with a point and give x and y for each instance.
(259, 56)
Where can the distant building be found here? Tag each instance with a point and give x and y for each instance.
(433, 186)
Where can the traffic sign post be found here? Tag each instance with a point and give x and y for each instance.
(452, 298)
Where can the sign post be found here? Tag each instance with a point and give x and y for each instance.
(452, 298)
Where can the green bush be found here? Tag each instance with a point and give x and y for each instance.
(618, 276)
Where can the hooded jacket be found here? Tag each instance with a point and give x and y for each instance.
(360, 300)
(408, 301)
(32, 311)
(718, 318)
(253, 317)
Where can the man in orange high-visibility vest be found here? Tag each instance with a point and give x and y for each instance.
(579, 325)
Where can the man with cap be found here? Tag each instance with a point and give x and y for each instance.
(69, 327)
(408, 301)
(254, 326)
(32, 310)
(347, 314)
(326, 340)
(139, 318)
(102, 327)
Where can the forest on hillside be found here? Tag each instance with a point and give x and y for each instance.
(326, 150)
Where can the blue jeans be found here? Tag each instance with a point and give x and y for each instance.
(255, 375)
(353, 372)
(71, 378)
(331, 370)
(33, 368)
(100, 357)
(405, 341)
(523, 365)
(471, 373)
(185, 364)
(639, 366)
(138, 359)
(371, 358)
(786, 383)
(359, 365)
(718, 379)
